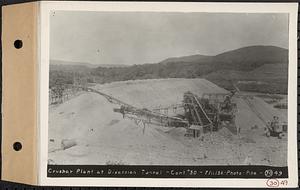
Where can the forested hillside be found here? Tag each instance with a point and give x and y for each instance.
(254, 68)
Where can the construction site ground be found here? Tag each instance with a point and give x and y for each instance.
(105, 137)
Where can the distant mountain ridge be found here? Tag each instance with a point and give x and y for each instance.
(264, 66)
(191, 58)
(58, 63)
(253, 56)
(242, 57)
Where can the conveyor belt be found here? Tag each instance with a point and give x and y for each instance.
(197, 113)
(141, 114)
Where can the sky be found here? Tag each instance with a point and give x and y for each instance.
(144, 37)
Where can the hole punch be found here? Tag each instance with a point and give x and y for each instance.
(17, 146)
(18, 44)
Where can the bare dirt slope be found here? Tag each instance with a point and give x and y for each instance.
(156, 92)
(104, 137)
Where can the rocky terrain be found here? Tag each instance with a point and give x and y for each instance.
(101, 136)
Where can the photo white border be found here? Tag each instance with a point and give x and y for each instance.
(44, 20)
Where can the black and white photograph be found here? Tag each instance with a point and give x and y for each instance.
(168, 88)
